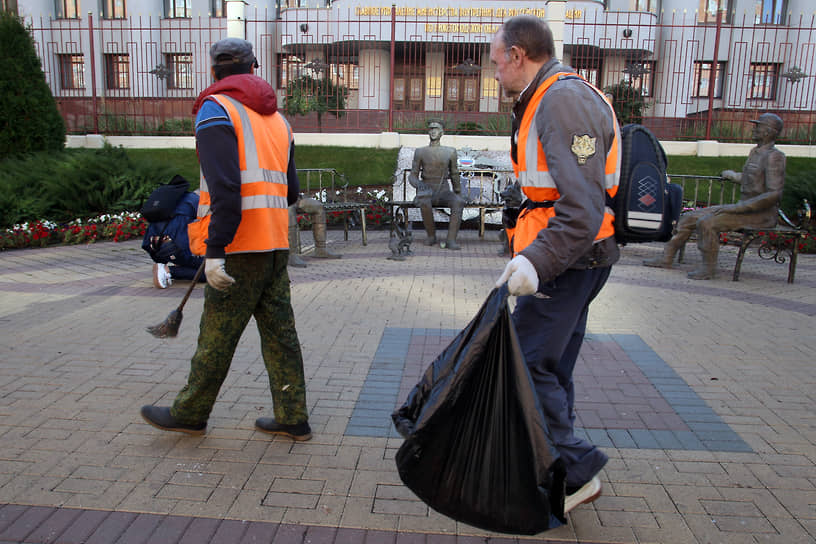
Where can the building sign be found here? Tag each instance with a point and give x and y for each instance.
(462, 28)
(573, 14)
(383, 11)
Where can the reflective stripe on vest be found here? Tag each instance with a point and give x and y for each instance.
(264, 142)
(534, 177)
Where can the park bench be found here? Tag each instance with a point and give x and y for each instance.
(331, 187)
(779, 244)
(481, 188)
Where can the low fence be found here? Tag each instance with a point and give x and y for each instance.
(701, 191)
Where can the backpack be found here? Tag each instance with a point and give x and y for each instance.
(647, 206)
(162, 202)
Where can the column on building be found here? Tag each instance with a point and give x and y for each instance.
(434, 77)
(374, 78)
(236, 20)
(555, 14)
(489, 93)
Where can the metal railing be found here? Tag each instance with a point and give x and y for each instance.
(329, 180)
(702, 191)
(683, 79)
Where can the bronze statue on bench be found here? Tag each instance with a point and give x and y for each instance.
(431, 169)
(317, 215)
(761, 183)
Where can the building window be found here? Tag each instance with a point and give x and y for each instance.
(769, 12)
(176, 9)
(113, 9)
(9, 6)
(180, 67)
(346, 75)
(709, 8)
(117, 71)
(640, 75)
(763, 78)
(646, 6)
(702, 79)
(435, 87)
(67, 9)
(587, 61)
(290, 68)
(218, 8)
(72, 71)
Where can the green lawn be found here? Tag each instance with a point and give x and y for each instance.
(369, 166)
(712, 166)
(361, 166)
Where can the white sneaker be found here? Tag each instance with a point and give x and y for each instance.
(161, 276)
(586, 493)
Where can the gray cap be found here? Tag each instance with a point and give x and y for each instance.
(770, 120)
(232, 51)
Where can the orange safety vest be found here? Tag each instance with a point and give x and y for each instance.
(264, 142)
(536, 182)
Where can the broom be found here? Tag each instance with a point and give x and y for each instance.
(170, 326)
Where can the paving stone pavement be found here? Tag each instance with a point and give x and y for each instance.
(702, 394)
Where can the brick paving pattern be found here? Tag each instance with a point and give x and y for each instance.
(626, 396)
(700, 392)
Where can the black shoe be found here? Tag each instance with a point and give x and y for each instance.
(159, 417)
(298, 431)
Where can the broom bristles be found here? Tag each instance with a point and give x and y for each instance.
(169, 327)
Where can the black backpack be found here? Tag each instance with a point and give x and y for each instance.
(646, 206)
(162, 202)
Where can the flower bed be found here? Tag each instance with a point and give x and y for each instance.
(377, 213)
(119, 227)
(808, 245)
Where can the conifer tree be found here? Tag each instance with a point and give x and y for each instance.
(29, 118)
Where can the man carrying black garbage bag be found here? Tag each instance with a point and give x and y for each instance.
(565, 148)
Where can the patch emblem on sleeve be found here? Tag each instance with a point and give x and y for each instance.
(583, 147)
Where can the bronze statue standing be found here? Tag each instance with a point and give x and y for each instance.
(761, 182)
(431, 169)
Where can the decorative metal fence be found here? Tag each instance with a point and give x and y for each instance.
(393, 69)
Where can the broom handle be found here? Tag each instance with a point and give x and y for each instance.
(192, 285)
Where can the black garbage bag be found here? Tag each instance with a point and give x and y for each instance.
(476, 446)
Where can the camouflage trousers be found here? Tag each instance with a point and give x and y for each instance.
(261, 289)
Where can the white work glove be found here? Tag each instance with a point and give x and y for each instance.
(520, 275)
(217, 276)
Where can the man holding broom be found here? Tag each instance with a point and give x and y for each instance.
(246, 151)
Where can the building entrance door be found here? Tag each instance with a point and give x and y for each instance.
(461, 92)
(408, 93)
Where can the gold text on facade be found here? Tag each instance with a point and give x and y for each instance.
(448, 12)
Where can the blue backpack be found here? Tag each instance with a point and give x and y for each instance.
(646, 206)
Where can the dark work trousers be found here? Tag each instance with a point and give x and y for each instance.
(261, 290)
(551, 329)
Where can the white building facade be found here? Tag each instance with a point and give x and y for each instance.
(693, 63)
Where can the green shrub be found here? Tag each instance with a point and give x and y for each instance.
(29, 119)
(499, 125)
(627, 101)
(798, 186)
(469, 127)
(75, 184)
(176, 127)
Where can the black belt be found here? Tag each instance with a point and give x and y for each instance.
(532, 204)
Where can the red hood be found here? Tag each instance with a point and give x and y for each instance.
(248, 89)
